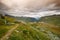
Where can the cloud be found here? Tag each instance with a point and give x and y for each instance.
(30, 8)
(20, 13)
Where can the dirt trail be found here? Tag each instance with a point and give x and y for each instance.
(6, 36)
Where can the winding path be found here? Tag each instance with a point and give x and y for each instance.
(6, 36)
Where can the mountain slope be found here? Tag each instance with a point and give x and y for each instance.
(54, 19)
(28, 30)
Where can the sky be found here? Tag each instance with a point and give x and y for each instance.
(30, 8)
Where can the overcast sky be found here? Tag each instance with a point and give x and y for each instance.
(30, 8)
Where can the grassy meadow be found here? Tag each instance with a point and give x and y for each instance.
(10, 29)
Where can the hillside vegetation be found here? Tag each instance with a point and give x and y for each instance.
(22, 30)
(55, 19)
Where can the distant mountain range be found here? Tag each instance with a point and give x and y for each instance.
(27, 19)
(52, 19)
(49, 19)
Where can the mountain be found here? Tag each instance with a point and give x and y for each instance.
(54, 19)
(26, 19)
(27, 30)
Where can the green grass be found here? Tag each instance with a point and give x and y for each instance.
(4, 29)
(30, 30)
(55, 19)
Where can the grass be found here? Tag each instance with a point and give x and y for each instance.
(30, 31)
(55, 20)
(4, 29)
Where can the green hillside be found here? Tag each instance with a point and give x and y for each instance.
(54, 19)
(20, 30)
